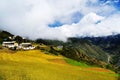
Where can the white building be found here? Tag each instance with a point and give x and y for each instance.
(10, 44)
(26, 46)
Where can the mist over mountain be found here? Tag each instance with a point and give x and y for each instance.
(60, 19)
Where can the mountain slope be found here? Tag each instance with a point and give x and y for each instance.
(35, 65)
(83, 50)
(110, 44)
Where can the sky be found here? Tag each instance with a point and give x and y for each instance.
(60, 19)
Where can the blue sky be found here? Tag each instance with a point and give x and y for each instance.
(60, 19)
(75, 18)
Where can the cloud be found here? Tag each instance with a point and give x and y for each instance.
(93, 25)
(32, 18)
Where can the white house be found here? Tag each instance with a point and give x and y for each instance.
(10, 44)
(26, 46)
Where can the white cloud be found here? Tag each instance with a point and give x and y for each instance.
(88, 26)
(31, 18)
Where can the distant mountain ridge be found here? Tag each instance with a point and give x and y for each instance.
(110, 44)
(83, 50)
(80, 50)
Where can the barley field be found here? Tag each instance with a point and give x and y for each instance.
(35, 65)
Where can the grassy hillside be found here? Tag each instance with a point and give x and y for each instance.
(87, 48)
(35, 65)
(83, 50)
(111, 45)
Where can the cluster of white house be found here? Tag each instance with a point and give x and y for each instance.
(15, 45)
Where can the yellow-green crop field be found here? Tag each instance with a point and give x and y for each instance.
(35, 65)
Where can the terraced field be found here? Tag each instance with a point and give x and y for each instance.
(35, 65)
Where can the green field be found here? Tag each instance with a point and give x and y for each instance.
(35, 65)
